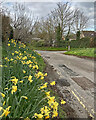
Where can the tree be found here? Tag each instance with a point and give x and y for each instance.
(58, 35)
(80, 22)
(22, 23)
(64, 16)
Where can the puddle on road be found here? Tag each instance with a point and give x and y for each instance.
(63, 82)
(84, 82)
(47, 57)
(68, 70)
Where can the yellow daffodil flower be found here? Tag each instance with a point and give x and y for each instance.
(3, 95)
(6, 89)
(4, 103)
(38, 115)
(24, 97)
(12, 53)
(30, 78)
(47, 93)
(8, 44)
(55, 114)
(63, 102)
(14, 89)
(5, 112)
(1, 65)
(45, 74)
(21, 81)
(52, 83)
(24, 71)
(14, 80)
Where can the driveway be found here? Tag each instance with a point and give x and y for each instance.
(79, 73)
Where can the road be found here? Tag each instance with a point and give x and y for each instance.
(79, 73)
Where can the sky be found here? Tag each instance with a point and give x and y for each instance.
(42, 9)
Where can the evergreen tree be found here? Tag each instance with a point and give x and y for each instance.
(58, 35)
(78, 35)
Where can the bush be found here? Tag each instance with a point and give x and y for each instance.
(82, 43)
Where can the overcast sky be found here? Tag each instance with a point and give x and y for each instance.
(41, 9)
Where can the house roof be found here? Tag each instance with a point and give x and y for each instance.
(89, 33)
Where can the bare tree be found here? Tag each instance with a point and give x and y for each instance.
(80, 21)
(63, 15)
(22, 23)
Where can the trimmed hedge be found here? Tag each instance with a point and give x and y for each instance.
(82, 43)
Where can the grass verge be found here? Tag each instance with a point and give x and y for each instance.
(86, 52)
(49, 48)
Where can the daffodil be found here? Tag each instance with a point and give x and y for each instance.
(5, 111)
(47, 93)
(8, 44)
(5, 88)
(44, 86)
(4, 103)
(55, 114)
(11, 59)
(24, 51)
(12, 53)
(52, 83)
(30, 65)
(14, 80)
(45, 74)
(63, 102)
(1, 108)
(3, 95)
(24, 58)
(30, 78)
(21, 81)
(24, 71)
(24, 97)
(14, 89)
(1, 65)
(38, 115)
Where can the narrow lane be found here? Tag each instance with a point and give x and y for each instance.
(79, 73)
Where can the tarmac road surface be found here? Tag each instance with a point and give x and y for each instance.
(77, 78)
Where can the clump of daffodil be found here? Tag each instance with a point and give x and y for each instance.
(24, 58)
(35, 67)
(45, 111)
(40, 74)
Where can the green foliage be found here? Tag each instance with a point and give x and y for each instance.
(78, 35)
(82, 52)
(82, 43)
(11, 33)
(58, 35)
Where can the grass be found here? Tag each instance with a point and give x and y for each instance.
(88, 52)
(49, 48)
(23, 84)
